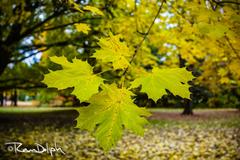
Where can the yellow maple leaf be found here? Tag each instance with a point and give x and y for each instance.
(114, 51)
(94, 10)
(82, 27)
(224, 80)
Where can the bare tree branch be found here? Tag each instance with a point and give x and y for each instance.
(20, 83)
(15, 80)
(33, 86)
(31, 30)
(28, 56)
(214, 7)
(71, 41)
(63, 43)
(65, 25)
(231, 46)
(222, 2)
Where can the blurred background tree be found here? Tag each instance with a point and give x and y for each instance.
(200, 35)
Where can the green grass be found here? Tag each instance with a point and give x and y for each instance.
(65, 112)
(233, 122)
(53, 109)
(184, 137)
(28, 110)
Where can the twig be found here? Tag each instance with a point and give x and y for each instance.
(64, 25)
(182, 16)
(30, 55)
(222, 2)
(145, 36)
(234, 50)
(33, 28)
(211, 4)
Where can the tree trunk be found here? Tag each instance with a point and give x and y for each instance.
(187, 107)
(14, 98)
(187, 103)
(5, 55)
(8, 46)
(1, 98)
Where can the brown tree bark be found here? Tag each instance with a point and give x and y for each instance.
(14, 98)
(187, 103)
(1, 98)
(5, 55)
(187, 107)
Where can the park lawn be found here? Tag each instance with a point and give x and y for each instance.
(203, 118)
(22, 109)
(233, 122)
(161, 117)
(206, 135)
(195, 110)
(30, 110)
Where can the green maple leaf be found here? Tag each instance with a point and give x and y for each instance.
(78, 74)
(114, 51)
(109, 111)
(156, 82)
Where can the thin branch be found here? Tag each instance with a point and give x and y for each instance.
(36, 46)
(20, 83)
(30, 30)
(212, 6)
(136, 21)
(15, 79)
(141, 32)
(231, 46)
(30, 55)
(222, 2)
(35, 86)
(65, 25)
(63, 43)
(145, 36)
(182, 16)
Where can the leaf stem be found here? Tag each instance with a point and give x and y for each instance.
(103, 72)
